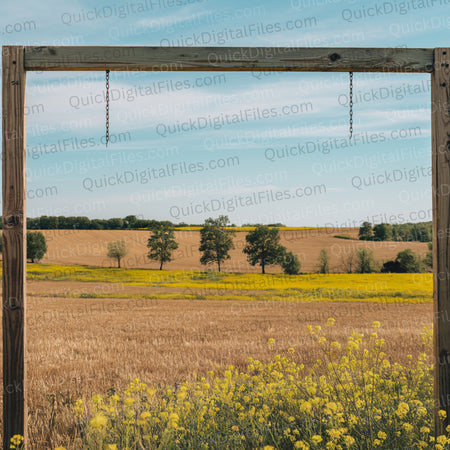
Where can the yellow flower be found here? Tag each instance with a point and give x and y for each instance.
(302, 445)
(145, 415)
(316, 439)
(330, 322)
(63, 448)
(112, 447)
(17, 439)
(442, 414)
(382, 435)
(128, 401)
(408, 427)
(376, 442)
(269, 447)
(402, 410)
(376, 325)
(425, 430)
(271, 342)
(441, 440)
(98, 421)
(235, 428)
(349, 441)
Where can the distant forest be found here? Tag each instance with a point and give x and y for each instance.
(380, 232)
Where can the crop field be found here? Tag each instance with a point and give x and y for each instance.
(92, 330)
(89, 247)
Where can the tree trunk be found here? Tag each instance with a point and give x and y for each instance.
(218, 265)
(160, 266)
(263, 267)
(118, 263)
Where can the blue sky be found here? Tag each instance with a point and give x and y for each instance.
(256, 146)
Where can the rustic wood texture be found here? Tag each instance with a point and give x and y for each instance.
(14, 243)
(230, 59)
(440, 95)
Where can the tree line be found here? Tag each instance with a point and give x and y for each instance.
(422, 232)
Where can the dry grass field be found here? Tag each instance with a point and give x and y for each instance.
(89, 247)
(79, 347)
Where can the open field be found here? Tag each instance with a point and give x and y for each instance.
(81, 347)
(89, 247)
(91, 329)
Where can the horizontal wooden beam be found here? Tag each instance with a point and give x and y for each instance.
(282, 59)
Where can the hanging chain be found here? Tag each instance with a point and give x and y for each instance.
(351, 104)
(107, 108)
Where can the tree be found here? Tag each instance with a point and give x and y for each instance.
(290, 264)
(263, 247)
(36, 246)
(382, 232)
(349, 262)
(365, 261)
(117, 250)
(409, 262)
(162, 243)
(324, 261)
(216, 241)
(365, 232)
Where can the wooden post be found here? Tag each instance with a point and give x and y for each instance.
(440, 125)
(14, 243)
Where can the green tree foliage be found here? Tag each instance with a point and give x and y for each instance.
(162, 243)
(382, 232)
(324, 261)
(216, 241)
(406, 262)
(365, 261)
(365, 232)
(36, 246)
(290, 263)
(263, 247)
(117, 250)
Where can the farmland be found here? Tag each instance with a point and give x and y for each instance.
(89, 247)
(93, 329)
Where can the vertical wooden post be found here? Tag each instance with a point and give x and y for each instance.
(14, 243)
(440, 127)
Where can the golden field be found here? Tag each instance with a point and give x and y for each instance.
(89, 247)
(90, 330)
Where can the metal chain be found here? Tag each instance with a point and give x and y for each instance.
(351, 104)
(107, 108)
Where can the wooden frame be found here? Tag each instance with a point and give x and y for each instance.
(17, 60)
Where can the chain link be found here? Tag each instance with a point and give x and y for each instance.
(351, 104)
(107, 108)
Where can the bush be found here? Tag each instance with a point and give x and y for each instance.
(365, 261)
(406, 262)
(291, 264)
(354, 397)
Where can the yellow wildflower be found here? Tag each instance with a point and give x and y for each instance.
(442, 414)
(382, 435)
(330, 322)
(402, 410)
(98, 421)
(316, 439)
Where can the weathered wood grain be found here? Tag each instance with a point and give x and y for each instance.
(14, 243)
(283, 59)
(440, 95)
